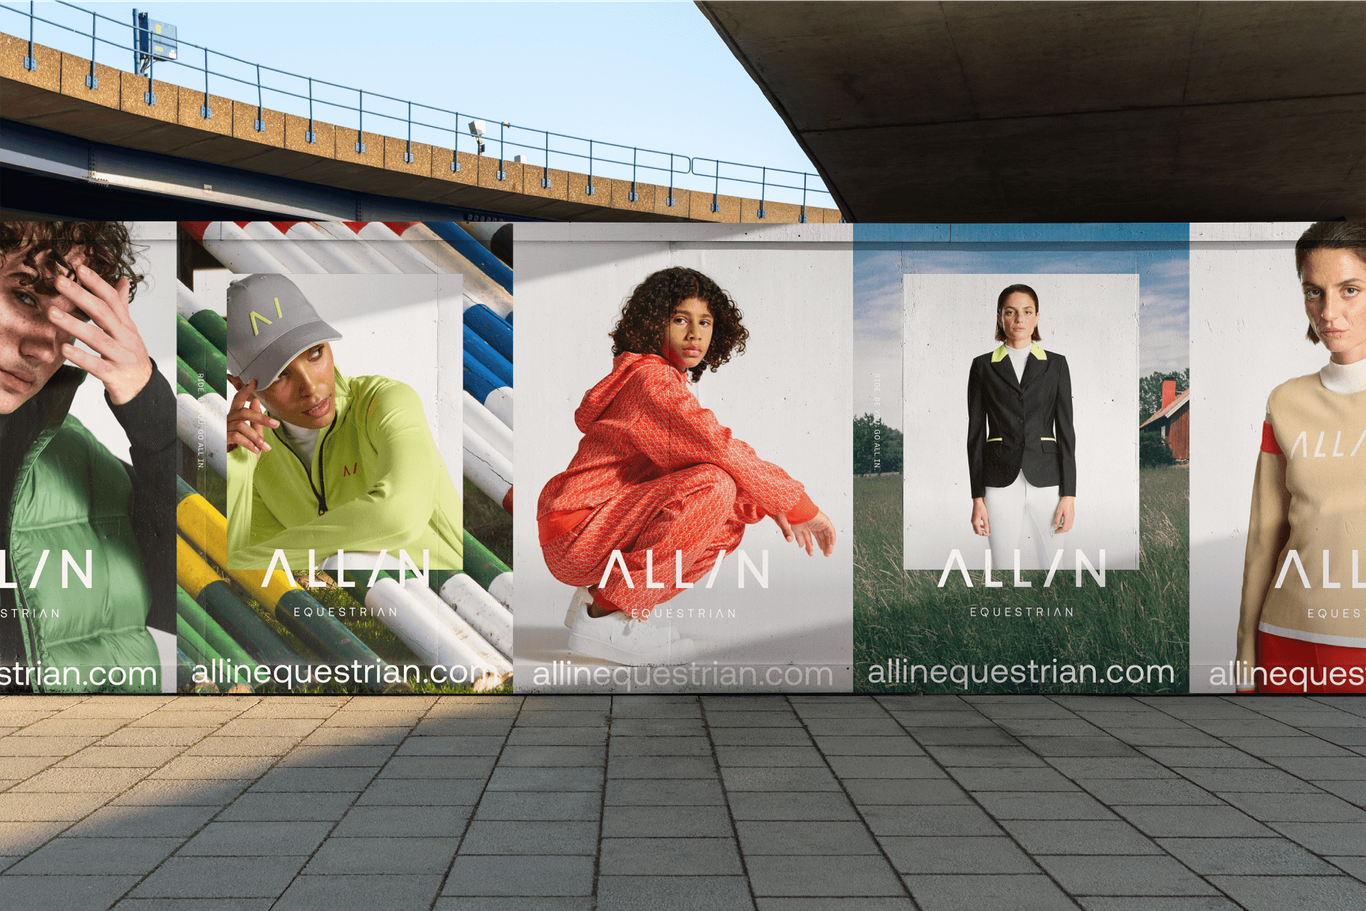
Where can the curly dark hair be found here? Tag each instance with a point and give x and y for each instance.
(1329, 235)
(109, 251)
(645, 317)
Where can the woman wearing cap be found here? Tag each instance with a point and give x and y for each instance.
(320, 461)
(1021, 442)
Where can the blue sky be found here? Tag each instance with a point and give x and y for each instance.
(653, 75)
(1164, 300)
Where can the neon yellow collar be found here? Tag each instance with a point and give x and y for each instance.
(1000, 353)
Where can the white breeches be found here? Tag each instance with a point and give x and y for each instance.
(1021, 517)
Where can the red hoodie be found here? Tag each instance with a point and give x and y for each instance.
(640, 423)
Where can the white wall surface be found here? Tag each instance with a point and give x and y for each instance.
(1092, 320)
(788, 396)
(1247, 337)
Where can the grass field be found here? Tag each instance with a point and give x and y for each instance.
(1140, 617)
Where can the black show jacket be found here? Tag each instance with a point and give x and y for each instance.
(1016, 425)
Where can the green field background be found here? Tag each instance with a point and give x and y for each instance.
(1140, 617)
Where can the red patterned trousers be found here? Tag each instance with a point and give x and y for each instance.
(677, 523)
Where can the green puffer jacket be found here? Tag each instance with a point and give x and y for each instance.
(376, 482)
(71, 498)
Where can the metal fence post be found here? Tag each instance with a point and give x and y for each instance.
(92, 81)
(31, 62)
(360, 123)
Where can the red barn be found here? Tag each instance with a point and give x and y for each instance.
(1173, 420)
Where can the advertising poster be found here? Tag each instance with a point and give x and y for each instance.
(1016, 530)
(656, 495)
(87, 435)
(326, 551)
(1277, 502)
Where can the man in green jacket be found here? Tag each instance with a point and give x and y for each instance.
(89, 542)
(320, 461)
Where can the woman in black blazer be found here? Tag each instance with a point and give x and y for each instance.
(1020, 439)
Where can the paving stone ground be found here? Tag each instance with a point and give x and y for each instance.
(772, 803)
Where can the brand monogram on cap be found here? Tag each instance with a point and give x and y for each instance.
(255, 330)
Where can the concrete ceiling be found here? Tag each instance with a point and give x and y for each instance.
(1084, 111)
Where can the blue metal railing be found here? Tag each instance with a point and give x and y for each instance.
(413, 121)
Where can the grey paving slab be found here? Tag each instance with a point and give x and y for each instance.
(810, 805)
(552, 756)
(329, 757)
(1042, 805)
(186, 792)
(545, 779)
(1126, 767)
(668, 822)
(686, 856)
(20, 838)
(1079, 836)
(438, 767)
(195, 904)
(760, 737)
(1326, 837)
(579, 837)
(664, 792)
(256, 839)
(871, 747)
(659, 727)
(795, 838)
(96, 856)
(822, 876)
(940, 854)
(537, 805)
(523, 874)
(897, 766)
(1245, 856)
(701, 766)
(419, 792)
(297, 780)
(62, 893)
(872, 792)
(1173, 791)
(842, 903)
(639, 747)
(1197, 822)
(1012, 779)
(220, 877)
(309, 805)
(674, 893)
(1259, 781)
(1274, 893)
(939, 892)
(771, 779)
(1297, 807)
(344, 892)
(400, 822)
(411, 855)
(960, 819)
(1157, 903)
(1124, 875)
(556, 736)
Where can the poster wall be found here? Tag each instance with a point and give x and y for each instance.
(748, 611)
(1293, 569)
(1111, 305)
(651, 559)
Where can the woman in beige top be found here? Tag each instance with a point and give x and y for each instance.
(1302, 626)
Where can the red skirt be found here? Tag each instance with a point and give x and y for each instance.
(1287, 665)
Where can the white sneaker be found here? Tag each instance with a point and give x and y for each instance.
(583, 598)
(620, 639)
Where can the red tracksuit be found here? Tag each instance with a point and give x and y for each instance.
(655, 471)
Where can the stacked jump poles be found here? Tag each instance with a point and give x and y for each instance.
(485, 588)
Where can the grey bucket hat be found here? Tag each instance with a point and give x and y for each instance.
(270, 323)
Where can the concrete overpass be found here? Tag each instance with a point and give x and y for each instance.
(106, 151)
(1087, 111)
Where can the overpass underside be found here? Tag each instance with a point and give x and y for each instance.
(107, 148)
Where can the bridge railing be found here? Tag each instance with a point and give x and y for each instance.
(74, 29)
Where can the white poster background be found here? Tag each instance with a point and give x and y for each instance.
(153, 311)
(788, 396)
(1092, 320)
(1247, 337)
